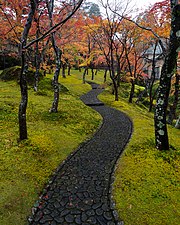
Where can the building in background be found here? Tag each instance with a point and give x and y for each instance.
(148, 61)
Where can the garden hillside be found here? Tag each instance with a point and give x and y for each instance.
(27, 165)
(146, 179)
(146, 188)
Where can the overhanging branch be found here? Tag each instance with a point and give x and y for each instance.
(53, 29)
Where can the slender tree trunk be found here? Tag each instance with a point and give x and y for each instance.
(118, 71)
(4, 61)
(168, 69)
(172, 113)
(152, 78)
(63, 70)
(24, 100)
(131, 95)
(132, 91)
(115, 90)
(23, 77)
(143, 93)
(58, 53)
(84, 75)
(118, 79)
(112, 73)
(69, 70)
(37, 61)
(152, 99)
(105, 75)
(92, 71)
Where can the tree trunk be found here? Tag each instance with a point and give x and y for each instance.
(132, 91)
(92, 71)
(105, 75)
(172, 113)
(115, 90)
(23, 80)
(37, 62)
(63, 70)
(152, 99)
(168, 70)
(118, 71)
(143, 93)
(69, 70)
(84, 75)
(151, 96)
(24, 101)
(161, 134)
(37, 57)
(58, 53)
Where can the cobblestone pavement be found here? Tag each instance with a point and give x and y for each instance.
(79, 192)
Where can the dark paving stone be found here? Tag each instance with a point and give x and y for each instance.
(99, 212)
(56, 205)
(90, 212)
(97, 205)
(92, 220)
(53, 223)
(55, 213)
(105, 207)
(75, 212)
(69, 218)
(50, 207)
(39, 215)
(64, 212)
(79, 191)
(84, 217)
(78, 219)
(101, 220)
(59, 219)
(107, 216)
(111, 223)
(46, 212)
(45, 219)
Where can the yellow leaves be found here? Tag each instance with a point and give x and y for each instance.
(88, 60)
(17, 40)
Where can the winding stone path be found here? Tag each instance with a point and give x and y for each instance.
(79, 193)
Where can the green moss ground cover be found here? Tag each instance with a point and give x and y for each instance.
(146, 188)
(26, 166)
(146, 185)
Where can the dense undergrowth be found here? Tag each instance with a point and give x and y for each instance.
(25, 167)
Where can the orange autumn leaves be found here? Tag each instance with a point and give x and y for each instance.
(76, 37)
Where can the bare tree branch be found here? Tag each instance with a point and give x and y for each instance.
(53, 29)
(12, 27)
(142, 27)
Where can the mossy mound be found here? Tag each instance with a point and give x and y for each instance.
(13, 73)
(45, 86)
